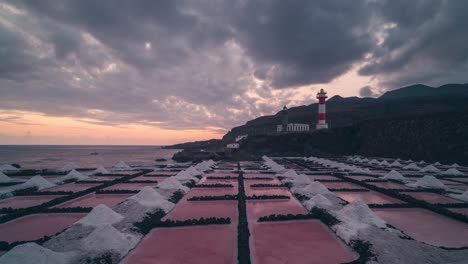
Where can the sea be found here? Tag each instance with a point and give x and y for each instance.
(49, 157)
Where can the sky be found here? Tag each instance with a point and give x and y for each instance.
(149, 72)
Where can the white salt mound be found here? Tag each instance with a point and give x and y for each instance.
(455, 165)
(384, 163)
(354, 217)
(430, 168)
(374, 161)
(394, 175)
(149, 197)
(428, 182)
(411, 166)
(437, 163)
(8, 167)
(32, 253)
(319, 201)
(4, 178)
(73, 175)
(290, 174)
(173, 185)
(300, 180)
(121, 166)
(192, 171)
(36, 181)
(463, 197)
(106, 238)
(396, 164)
(184, 175)
(453, 172)
(100, 215)
(100, 170)
(203, 166)
(312, 189)
(70, 166)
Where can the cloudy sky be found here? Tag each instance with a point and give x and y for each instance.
(166, 71)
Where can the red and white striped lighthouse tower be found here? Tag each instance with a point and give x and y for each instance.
(321, 96)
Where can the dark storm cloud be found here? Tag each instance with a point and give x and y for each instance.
(15, 60)
(367, 91)
(153, 62)
(424, 44)
(303, 42)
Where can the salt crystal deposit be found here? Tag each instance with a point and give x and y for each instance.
(100, 170)
(412, 166)
(384, 163)
(8, 167)
(430, 168)
(290, 174)
(4, 178)
(32, 253)
(427, 181)
(319, 201)
(149, 197)
(394, 175)
(462, 197)
(121, 166)
(106, 238)
(299, 180)
(100, 215)
(70, 166)
(171, 185)
(72, 175)
(203, 166)
(36, 181)
(192, 171)
(355, 217)
(312, 189)
(396, 164)
(453, 172)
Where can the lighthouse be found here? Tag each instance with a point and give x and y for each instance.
(321, 96)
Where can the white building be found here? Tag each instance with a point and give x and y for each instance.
(293, 128)
(233, 146)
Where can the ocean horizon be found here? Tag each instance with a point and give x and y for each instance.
(55, 156)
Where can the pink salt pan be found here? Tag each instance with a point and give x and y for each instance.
(130, 186)
(297, 242)
(268, 191)
(197, 209)
(432, 197)
(257, 209)
(342, 185)
(33, 227)
(73, 187)
(251, 182)
(255, 175)
(368, 197)
(390, 185)
(362, 178)
(144, 178)
(211, 192)
(426, 226)
(93, 200)
(26, 201)
(195, 245)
